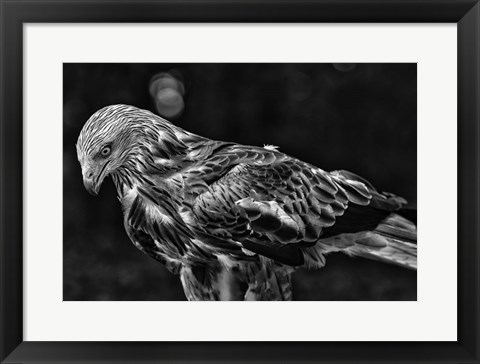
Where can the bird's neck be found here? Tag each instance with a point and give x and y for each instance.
(124, 180)
(160, 176)
(158, 164)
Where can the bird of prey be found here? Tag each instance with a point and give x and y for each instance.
(235, 221)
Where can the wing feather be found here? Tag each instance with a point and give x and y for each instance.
(270, 200)
(275, 205)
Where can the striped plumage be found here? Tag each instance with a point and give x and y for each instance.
(235, 221)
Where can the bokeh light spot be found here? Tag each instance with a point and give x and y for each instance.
(167, 90)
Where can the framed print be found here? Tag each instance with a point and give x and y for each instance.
(159, 154)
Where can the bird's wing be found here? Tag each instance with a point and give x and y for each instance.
(275, 205)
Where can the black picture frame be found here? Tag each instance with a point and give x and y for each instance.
(14, 13)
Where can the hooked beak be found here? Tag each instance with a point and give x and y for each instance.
(91, 186)
(93, 178)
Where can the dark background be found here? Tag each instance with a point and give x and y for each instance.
(359, 117)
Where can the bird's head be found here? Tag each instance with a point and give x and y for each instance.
(122, 138)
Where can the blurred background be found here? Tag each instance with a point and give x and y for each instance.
(359, 117)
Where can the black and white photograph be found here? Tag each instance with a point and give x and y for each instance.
(240, 182)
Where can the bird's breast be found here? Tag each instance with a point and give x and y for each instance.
(167, 223)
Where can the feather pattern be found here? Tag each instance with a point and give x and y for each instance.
(235, 221)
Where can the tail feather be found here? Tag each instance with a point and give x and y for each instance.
(400, 243)
(396, 226)
(393, 241)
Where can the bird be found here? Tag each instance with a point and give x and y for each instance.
(236, 221)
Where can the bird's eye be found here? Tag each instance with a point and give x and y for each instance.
(105, 151)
